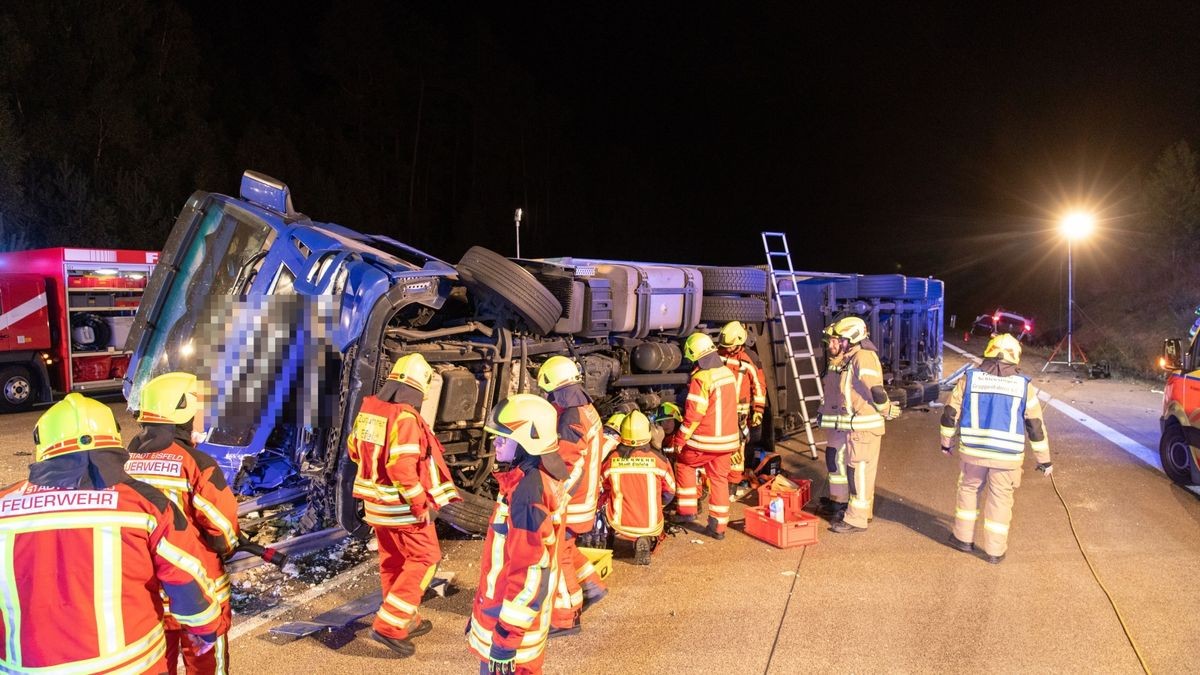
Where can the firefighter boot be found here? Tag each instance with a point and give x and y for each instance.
(711, 530)
(641, 551)
(563, 632)
(964, 546)
(842, 527)
(403, 647)
(592, 594)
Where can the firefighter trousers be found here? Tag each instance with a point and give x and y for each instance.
(835, 464)
(213, 662)
(568, 595)
(996, 485)
(408, 558)
(862, 460)
(716, 468)
(737, 460)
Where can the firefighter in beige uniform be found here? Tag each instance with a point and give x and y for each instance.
(994, 409)
(859, 407)
(833, 506)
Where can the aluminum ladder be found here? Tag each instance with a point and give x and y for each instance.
(797, 344)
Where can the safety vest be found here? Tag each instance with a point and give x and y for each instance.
(992, 424)
(848, 405)
(710, 420)
(580, 436)
(635, 484)
(400, 464)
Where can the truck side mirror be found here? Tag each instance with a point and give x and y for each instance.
(1172, 355)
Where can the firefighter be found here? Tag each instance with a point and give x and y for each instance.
(580, 436)
(994, 410)
(858, 406)
(666, 418)
(87, 551)
(707, 436)
(402, 479)
(752, 393)
(639, 482)
(163, 456)
(833, 506)
(518, 569)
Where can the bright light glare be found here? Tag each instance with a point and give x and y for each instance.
(187, 349)
(1077, 225)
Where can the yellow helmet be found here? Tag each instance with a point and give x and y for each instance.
(614, 421)
(668, 411)
(169, 399)
(558, 371)
(528, 419)
(733, 334)
(75, 424)
(413, 370)
(635, 429)
(1004, 346)
(852, 328)
(696, 346)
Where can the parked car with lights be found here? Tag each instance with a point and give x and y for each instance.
(1003, 321)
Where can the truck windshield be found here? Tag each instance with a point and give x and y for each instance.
(219, 261)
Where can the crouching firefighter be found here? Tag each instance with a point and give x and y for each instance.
(994, 409)
(639, 482)
(707, 436)
(518, 569)
(402, 478)
(858, 406)
(580, 440)
(87, 551)
(750, 381)
(163, 456)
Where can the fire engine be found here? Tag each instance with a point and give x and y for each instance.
(65, 315)
(1181, 411)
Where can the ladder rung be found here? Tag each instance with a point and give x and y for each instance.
(797, 333)
(813, 398)
(792, 313)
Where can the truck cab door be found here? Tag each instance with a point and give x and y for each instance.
(1190, 384)
(5, 322)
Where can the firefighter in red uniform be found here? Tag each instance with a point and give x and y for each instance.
(87, 550)
(639, 482)
(401, 478)
(518, 569)
(707, 436)
(751, 387)
(580, 436)
(163, 456)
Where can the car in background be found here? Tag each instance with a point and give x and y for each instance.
(1003, 321)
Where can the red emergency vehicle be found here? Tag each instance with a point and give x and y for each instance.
(64, 316)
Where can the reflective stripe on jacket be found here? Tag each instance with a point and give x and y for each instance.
(400, 465)
(848, 406)
(580, 434)
(84, 571)
(751, 381)
(710, 420)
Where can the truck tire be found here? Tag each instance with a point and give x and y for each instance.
(472, 515)
(488, 272)
(17, 389)
(720, 309)
(734, 280)
(1176, 454)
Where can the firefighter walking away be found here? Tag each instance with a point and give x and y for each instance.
(993, 410)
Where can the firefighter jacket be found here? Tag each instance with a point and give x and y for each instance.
(638, 482)
(163, 457)
(401, 472)
(710, 418)
(994, 410)
(85, 559)
(580, 435)
(518, 570)
(857, 401)
(751, 381)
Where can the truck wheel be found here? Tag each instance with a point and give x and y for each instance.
(489, 273)
(17, 390)
(1176, 455)
(472, 515)
(734, 280)
(720, 309)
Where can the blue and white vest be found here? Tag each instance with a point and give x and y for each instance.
(992, 425)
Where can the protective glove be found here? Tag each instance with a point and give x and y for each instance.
(501, 660)
(947, 451)
(1046, 468)
(756, 419)
(891, 411)
(199, 644)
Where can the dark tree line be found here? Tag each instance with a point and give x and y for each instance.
(377, 117)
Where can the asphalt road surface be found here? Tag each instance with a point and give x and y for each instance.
(892, 599)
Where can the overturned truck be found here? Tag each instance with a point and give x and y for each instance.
(291, 322)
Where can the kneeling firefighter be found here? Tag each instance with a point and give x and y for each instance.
(993, 409)
(518, 569)
(402, 478)
(639, 482)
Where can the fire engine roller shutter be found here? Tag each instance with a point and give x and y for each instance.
(486, 271)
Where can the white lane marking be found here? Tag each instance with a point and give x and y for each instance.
(1115, 437)
(299, 601)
